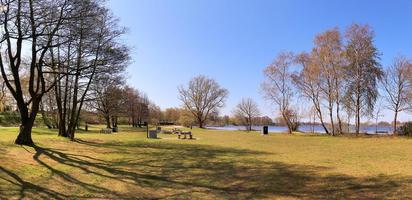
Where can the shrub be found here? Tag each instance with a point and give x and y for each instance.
(405, 129)
(9, 119)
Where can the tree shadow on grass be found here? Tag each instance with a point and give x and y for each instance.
(177, 171)
(25, 189)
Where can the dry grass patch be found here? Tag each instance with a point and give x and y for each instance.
(220, 165)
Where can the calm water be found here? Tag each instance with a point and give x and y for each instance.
(304, 128)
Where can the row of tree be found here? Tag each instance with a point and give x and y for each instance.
(61, 58)
(341, 75)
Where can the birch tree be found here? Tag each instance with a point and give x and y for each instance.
(279, 88)
(328, 54)
(363, 70)
(397, 87)
(308, 81)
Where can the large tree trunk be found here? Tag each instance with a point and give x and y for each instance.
(27, 121)
(200, 122)
(62, 128)
(24, 137)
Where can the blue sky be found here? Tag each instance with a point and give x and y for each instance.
(232, 41)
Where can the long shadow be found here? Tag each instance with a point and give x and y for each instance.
(189, 171)
(26, 189)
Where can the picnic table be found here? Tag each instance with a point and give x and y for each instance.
(181, 133)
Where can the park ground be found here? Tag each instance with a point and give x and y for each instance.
(215, 165)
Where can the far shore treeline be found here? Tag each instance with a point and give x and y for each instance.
(63, 66)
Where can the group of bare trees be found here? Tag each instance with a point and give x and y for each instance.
(117, 101)
(59, 49)
(340, 75)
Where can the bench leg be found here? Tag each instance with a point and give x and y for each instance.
(190, 137)
(178, 136)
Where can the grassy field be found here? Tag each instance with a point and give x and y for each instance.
(216, 165)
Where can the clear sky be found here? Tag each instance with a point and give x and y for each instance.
(232, 41)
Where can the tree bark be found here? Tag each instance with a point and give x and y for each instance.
(27, 121)
(357, 124)
(200, 122)
(331, 120)
(338, 117)
(319, 113)
(24, 137)
(107, 118)
(395, 123)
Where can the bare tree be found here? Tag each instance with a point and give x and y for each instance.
(397, 87)
(107, 98)
(29, 28)
(279, 88)
(308, 81)
(328, 55)
(247, 111)
(363, 70)
(92, 49)
(201, 97)
(136, 106)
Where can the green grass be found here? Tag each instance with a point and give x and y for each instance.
(216, 165)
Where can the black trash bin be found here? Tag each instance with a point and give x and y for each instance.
(265, 130)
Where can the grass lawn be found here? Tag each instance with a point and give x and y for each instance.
(217, 165)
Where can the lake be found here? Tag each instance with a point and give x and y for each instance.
(304, 128)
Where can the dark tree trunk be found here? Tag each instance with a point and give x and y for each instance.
(62, 127)
(200, 122)
(24, 137)
(357, 123)
(107, 118)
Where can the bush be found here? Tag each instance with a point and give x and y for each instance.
(405, 129)
(9, 119)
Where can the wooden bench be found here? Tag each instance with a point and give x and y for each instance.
(189, 133)
(106, 130)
